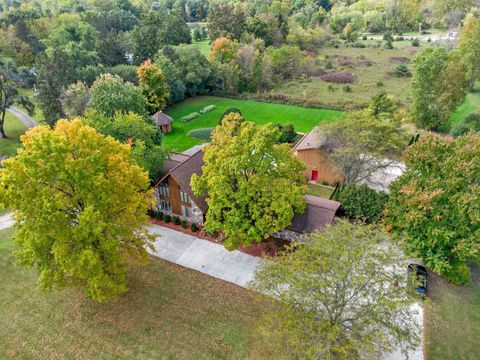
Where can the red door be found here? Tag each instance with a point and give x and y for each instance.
(314, 175)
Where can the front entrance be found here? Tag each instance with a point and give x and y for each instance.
(314, 175)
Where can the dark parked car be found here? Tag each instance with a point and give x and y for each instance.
(418, 278)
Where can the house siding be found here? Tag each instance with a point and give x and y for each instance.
(317, 159)
(175, 200)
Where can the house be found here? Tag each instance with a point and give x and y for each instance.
(163, 122)
(320, 167)
(174, 196)
(173, 192)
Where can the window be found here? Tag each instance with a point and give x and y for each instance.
(184, 197)
(163, 189)
(165, 205)
(186, 211)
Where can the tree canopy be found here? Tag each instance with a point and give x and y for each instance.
(435, 205)
(143, 136)
(362, 144)
(80, 203)
(253, 185)
(110, 94)
(341, 295)
(154, 86)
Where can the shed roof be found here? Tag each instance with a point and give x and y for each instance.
(161, 118)
(318, 213)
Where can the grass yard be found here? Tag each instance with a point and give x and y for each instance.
(471, 104)
(303, 119)
(369, 79)
(319, 190)
(452, 319)
(13, 128)
(170, 313)
(204, 46)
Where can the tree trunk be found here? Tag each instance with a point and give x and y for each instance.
(2, 122)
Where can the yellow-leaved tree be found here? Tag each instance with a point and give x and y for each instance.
(79, 202)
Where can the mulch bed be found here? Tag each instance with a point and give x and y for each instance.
(268, 248)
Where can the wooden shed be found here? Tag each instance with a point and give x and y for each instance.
(163, 121)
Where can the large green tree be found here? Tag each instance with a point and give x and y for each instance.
(80, 203)
(438, 86)
(10, 82)
(362, 144)
(132, 128)
(154, 86)
(341, 295)
(469, 47)
(435, 205)
(253, 185)
(110, 94)
(155, 30)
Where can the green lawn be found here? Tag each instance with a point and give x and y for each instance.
(13, 128)
(170, 312)
(204, 46)
(319, 190)
(471, 104)
(452, 319)
(303, 119)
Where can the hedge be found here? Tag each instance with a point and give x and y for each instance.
(190, 117)
(208, 108)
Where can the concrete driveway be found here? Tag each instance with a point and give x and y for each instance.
(204, 256)
(6, 221)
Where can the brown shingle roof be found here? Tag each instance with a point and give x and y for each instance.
(318, 213)
(311, 140)
(161, 118)
(184, 171)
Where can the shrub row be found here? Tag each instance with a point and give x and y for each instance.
(208, 108)
(190, 117)
(158, 215)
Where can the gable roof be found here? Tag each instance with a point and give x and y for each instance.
(311, 140)
(182, 167)
(318, 213)
(161, 118)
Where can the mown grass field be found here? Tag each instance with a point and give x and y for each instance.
(13, 128)
(303, 119)
(369, 79)
(471, 104)
(170, 312)
(452, 319)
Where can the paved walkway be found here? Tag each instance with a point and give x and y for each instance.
(6, 221)
(204, 256)
(24, 118)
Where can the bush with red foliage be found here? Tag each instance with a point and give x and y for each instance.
(339, 77)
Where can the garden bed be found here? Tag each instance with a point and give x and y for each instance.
(268, 248)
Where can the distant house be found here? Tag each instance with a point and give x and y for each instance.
(163, 121)
(453, 34)
(174, 196)
(320, 167)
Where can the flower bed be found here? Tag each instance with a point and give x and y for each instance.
(269, 248)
